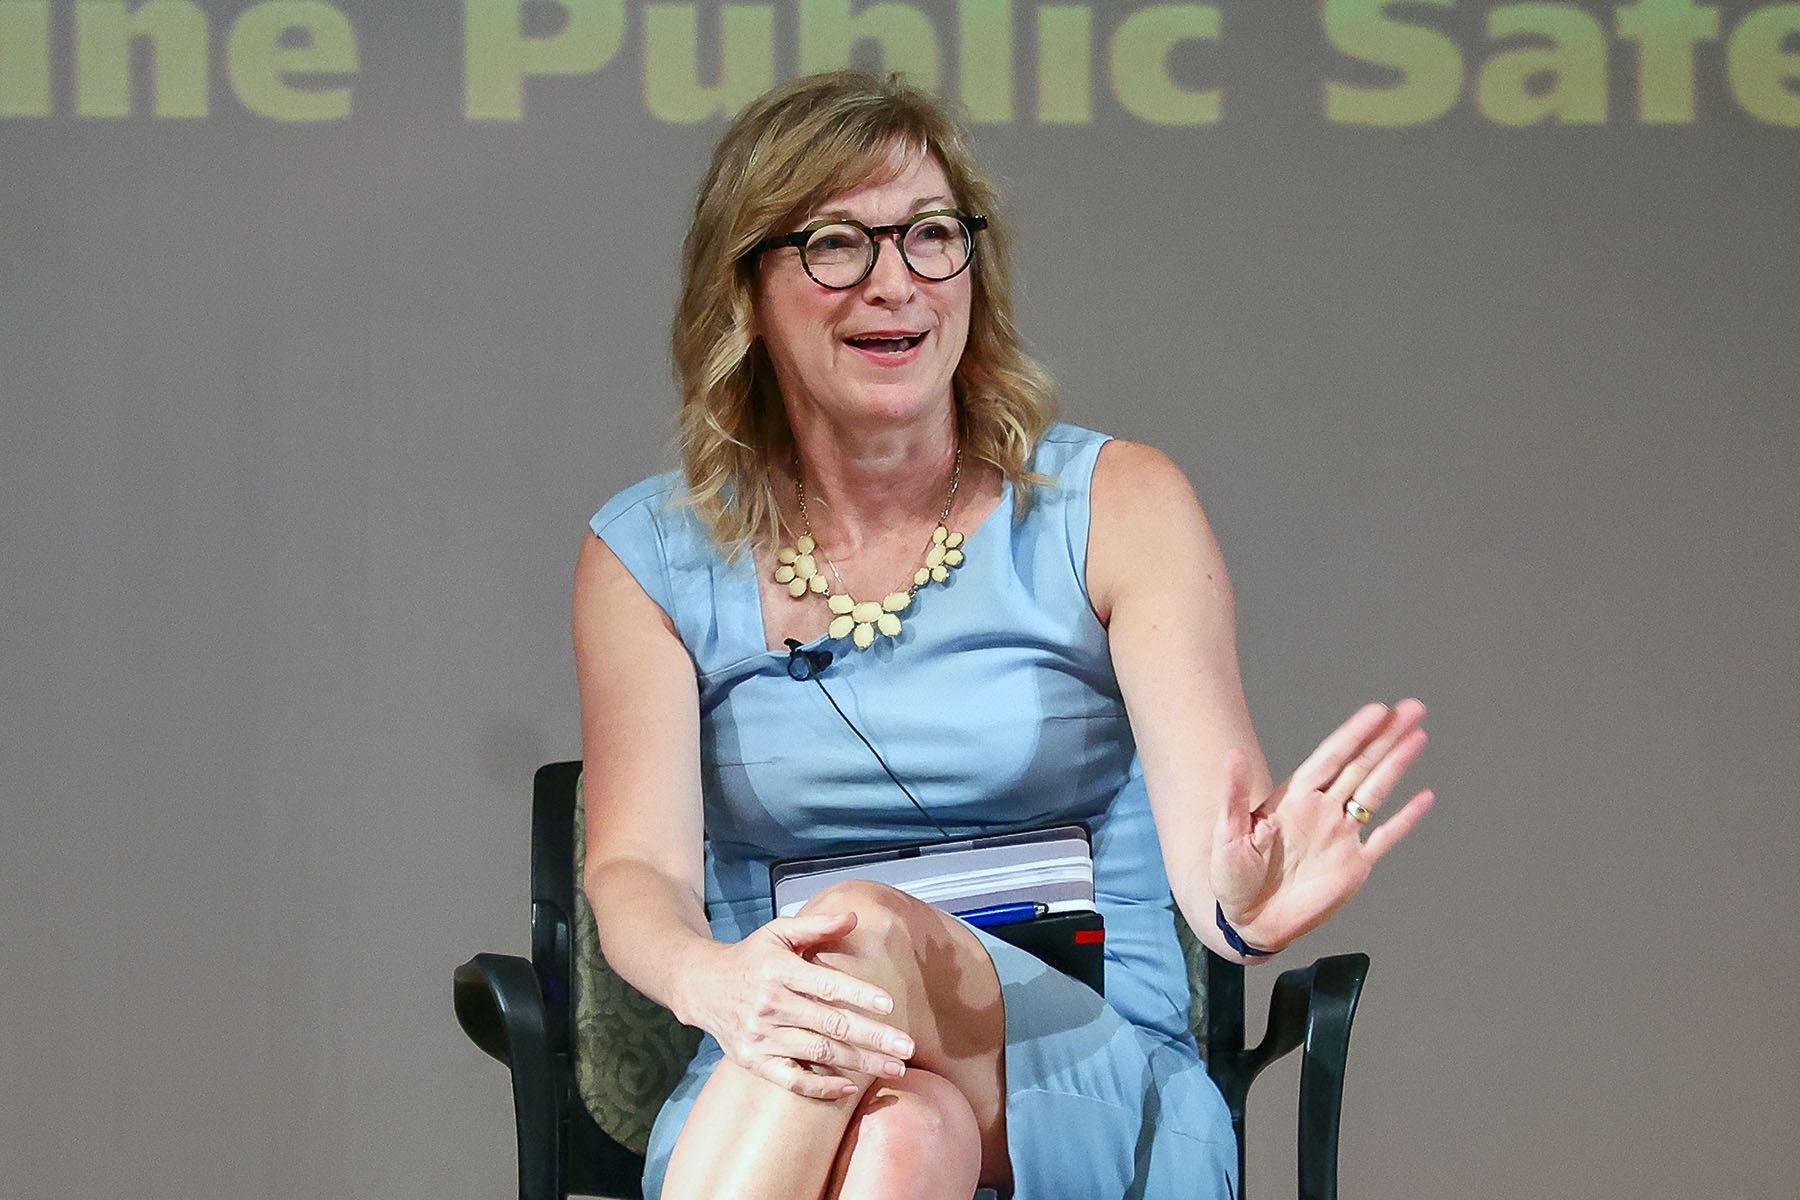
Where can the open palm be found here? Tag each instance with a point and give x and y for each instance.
(1282, 866)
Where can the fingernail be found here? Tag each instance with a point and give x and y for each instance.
(883, 1004)
(893, 1070)
(902, 1046)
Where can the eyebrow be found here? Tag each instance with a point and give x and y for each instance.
(922, 204)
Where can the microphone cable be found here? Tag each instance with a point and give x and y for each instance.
(806, 665)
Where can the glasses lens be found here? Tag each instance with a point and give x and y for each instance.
(836, 255)
(937, 247)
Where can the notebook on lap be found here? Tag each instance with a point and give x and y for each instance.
(1033, 889)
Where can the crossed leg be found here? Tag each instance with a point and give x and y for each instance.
(937, 1131)
(914, 1136)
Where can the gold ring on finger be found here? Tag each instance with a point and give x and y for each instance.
(1362, 815)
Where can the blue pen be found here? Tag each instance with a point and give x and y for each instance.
(1003, 914)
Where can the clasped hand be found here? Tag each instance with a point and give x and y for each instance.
(1282, 866)
(789, 1019)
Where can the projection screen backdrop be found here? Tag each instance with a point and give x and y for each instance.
(327, 325)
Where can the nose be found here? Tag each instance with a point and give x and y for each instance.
(889, 280)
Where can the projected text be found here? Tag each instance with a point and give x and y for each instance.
(1396, 62)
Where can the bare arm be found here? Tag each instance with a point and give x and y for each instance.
(1278, 859)
(640, 741)
(773, 1010)
(1158, 583)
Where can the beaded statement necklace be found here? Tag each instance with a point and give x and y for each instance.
(861, 620)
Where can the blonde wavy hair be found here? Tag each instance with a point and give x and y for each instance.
(799, 145)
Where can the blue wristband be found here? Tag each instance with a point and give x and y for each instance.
(1231, 935)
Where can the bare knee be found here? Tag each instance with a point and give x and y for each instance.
(878, 907)
(888, 923)
(915, 1136)
(931, 963)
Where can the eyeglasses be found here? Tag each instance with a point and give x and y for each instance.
(839, 253)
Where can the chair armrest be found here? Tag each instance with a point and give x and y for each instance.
(499, 1006)
(1309, 1006)
(1336, 987)
(1314, 1006)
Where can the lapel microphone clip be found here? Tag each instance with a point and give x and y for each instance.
(805, 664)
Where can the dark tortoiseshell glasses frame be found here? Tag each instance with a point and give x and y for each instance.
(802, 238)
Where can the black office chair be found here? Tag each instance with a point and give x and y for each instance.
(592, 1060)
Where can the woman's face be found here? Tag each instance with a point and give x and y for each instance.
(882, 352)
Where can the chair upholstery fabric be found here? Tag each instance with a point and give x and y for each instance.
(629, 1051)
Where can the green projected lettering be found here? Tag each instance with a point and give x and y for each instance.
(697, 65)
(985, 34)
(1765, 77)
(1564, 81)
(673, 91)
(499, 56)
(1429, 63)
(268, 48)
(831, 29)
(1065, 40)
(1140, 64)
(1666, 32)
(177, 33)
(260, 66)
(1396, 63)
(1551, 62)
(24, 58)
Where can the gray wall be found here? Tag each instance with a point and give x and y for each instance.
(303, 417)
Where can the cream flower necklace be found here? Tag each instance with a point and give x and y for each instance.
(858, 620)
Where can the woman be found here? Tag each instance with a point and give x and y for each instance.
(1030, 624)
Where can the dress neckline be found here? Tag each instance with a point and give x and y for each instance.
(754, 582)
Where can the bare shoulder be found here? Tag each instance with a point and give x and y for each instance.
(1127, 470)
(628, 656)
(608, 598)
(1147, 530)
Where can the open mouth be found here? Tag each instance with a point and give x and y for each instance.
(887, 343)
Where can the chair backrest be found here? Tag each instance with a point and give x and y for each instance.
(624, 1053)
(584, 1022)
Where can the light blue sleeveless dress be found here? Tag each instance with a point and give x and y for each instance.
(997, 706)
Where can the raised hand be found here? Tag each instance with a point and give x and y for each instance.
(1281, 867)
(790, 1020)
